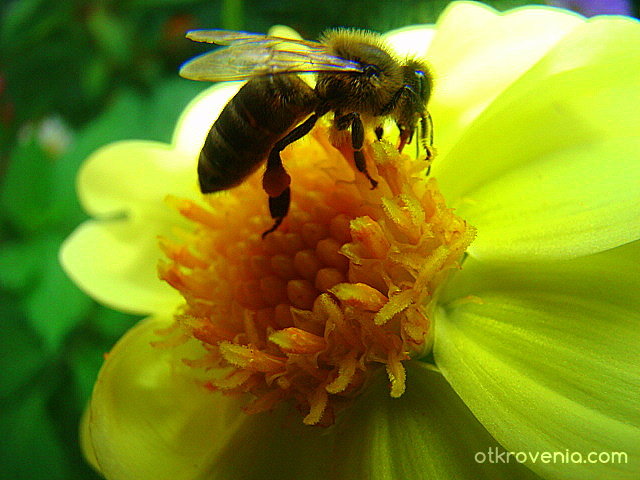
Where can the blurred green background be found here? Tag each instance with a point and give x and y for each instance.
(75, 75)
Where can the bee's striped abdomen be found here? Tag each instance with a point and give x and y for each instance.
(263, 111)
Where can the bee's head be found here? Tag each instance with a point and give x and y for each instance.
(418, 82)
(412, 104)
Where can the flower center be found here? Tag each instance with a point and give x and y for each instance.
(345, 285)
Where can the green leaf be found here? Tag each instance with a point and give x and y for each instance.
(131, 116)
(25, 193)
(165, 105)
(17, 16)
(42, 77)
(112, 324)
(22, 353)
(95, 77)
(85, 360)
(31, 448)
(21, 262)
(111, 34)
(56, 305)
(151, 4)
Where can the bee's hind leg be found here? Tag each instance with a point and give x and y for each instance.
(276, 180)
(278, 208)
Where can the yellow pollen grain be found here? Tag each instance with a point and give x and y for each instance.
(249, 295)
(312, 233)
(340, 228)
(306, 264)
(283, 266)
(328, 278)
(260, 265)
(301, 293)
(282, 315)
(328, 251)
(290, 243)
(274, 290)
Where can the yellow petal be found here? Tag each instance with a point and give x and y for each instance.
(553, 161)
(115, 262)
(584, 90)
(284, 31)
(477, 53)
(546, 357)
(133, 178)
(428, 433)
(200, 114)
(575, 202)
(124, 185)
(85, 440)
(148, 418)
(411, 41)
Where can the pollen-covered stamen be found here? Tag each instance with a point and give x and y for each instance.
(343, 287)
(295, 340)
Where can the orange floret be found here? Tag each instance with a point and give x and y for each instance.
(342, 288)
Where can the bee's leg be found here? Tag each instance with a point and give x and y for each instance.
(427, 134)
(278, 208)
(276, 180)
(342, 122)
(393, 103)
(406, 135)
(357, 141)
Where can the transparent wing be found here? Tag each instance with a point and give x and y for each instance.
(249, 55)
(231, 37)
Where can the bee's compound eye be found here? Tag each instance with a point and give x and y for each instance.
(423, 84)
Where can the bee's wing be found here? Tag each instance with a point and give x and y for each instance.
(231, 37)
(250, 55)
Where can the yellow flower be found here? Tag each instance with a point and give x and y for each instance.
(404, 360)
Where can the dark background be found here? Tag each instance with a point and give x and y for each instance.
(75, 75)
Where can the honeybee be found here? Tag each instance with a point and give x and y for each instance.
(358, 79)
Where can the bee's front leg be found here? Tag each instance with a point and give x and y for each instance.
(357, 141)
